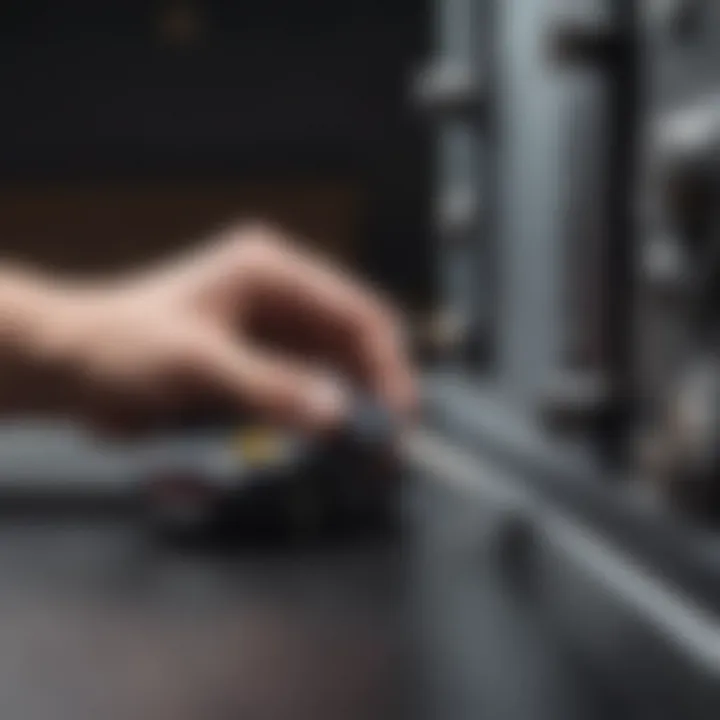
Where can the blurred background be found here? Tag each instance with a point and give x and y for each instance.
(134, 127)
(535, 183)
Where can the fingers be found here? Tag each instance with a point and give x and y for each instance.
(379, 346)
(348, 324)
(274, 388)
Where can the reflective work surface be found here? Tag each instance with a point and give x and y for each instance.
(97, 622)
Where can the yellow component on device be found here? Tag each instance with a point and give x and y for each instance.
(259, 445)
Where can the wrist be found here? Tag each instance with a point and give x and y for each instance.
(31, 311)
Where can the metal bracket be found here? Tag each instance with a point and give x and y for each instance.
(574, 43)
(576, 400)
(450, 88)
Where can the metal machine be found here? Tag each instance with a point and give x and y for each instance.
(560, 555)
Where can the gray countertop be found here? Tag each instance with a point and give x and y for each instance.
(95, 621)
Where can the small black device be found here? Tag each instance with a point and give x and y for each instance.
(255, 482)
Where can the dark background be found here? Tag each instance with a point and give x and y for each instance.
(130, 127)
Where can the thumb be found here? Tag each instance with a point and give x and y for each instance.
(275, 387)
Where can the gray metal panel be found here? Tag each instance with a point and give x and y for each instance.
(530, 194)
(567, 117)
(676, 304)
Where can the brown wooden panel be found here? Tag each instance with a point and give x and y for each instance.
(108, 227)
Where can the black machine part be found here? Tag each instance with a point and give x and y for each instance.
(345, 482)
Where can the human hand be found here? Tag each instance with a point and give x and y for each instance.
(248, 321)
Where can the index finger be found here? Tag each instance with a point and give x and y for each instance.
(349, 323)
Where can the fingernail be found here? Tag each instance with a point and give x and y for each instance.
(327, 403)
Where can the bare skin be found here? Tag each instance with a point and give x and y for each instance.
(247, 321)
